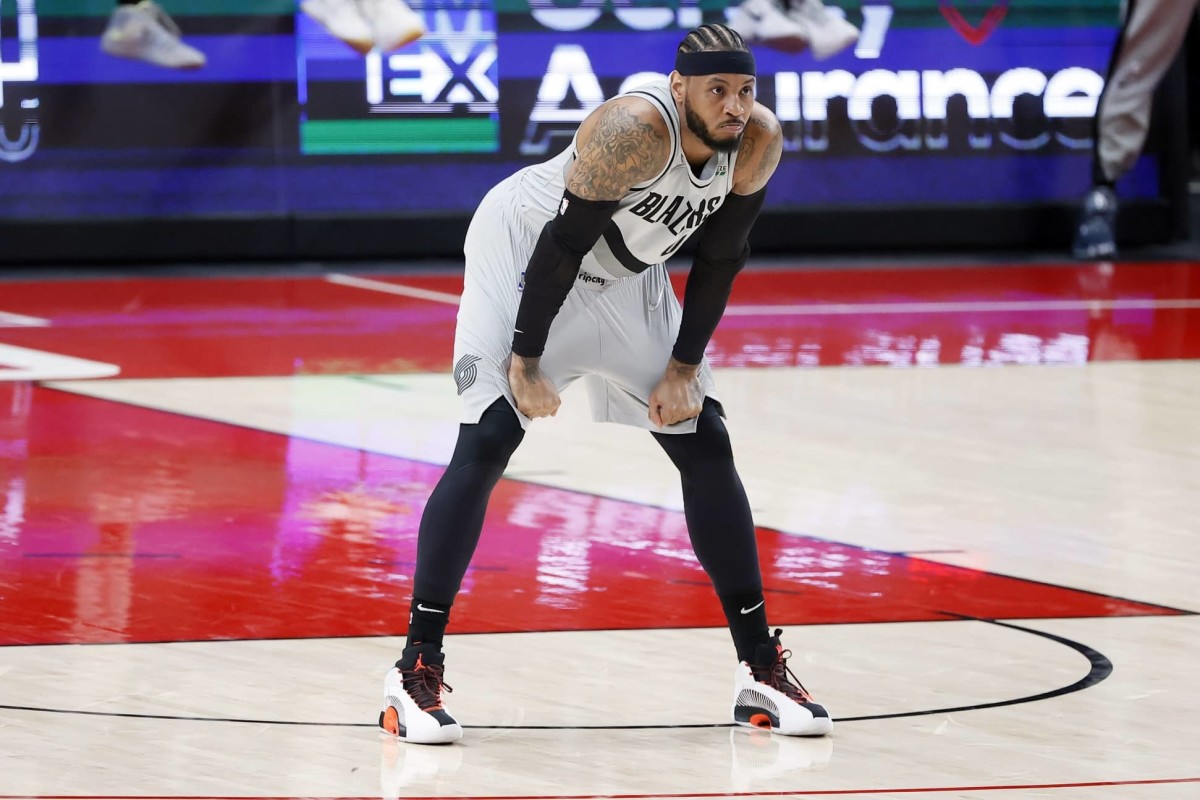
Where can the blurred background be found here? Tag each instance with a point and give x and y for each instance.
(274, 130)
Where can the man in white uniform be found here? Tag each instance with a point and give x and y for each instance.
(565, 279)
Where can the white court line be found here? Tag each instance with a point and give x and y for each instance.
(10, 320)
(23, 364)
(392, 288)
(836, 309)
(983, 307)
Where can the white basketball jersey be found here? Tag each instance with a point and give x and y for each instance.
(656, 217)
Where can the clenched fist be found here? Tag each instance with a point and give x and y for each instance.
(534, 392)
(678, 396)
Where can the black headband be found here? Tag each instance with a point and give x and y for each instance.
(715, 62)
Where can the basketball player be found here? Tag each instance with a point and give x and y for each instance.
(564, 280)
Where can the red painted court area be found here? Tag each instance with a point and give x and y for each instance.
(208, 327)
(140, 525)
(122, 524)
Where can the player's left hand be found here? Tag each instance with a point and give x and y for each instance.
(532, 389)
(678, 396)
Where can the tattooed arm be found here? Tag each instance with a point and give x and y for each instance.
(762, 145)
(621, 144)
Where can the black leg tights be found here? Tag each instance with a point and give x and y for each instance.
(453, 517)
(715, 506)
(720, 524)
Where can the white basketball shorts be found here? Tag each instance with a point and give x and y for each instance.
(615, 333)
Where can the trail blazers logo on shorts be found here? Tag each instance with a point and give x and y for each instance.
(465, 372)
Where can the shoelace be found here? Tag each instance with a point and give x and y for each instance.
(777, 679)
(424, 685)
(161, 17)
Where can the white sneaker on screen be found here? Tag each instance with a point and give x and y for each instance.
(144, 32)
(828, 33)
(393, 23)
(344, 20)
(765, 22)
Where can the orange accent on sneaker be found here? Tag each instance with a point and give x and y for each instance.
(391, 721)
(436, 689)
(776, 676)
(759, 721)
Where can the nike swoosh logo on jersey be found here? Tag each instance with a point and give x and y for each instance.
(744, 610)
(436, 611)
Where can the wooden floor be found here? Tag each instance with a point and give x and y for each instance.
(977, 493)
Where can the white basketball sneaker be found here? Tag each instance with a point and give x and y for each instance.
(343, 20)
(412, 699)
(828, 33)
(393, 23)
(145, 32)
(764, 697)
(765, 22)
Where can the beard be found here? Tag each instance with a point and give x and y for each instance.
(696, 126)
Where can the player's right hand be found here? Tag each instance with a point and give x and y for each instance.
(532, 389)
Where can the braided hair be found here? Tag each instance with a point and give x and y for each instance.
(713, 37)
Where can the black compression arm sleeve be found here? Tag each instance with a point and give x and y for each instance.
(721, 254)
(552, 268)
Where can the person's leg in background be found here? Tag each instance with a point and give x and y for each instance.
(1193, 72)
(141, 30)
(1149, 40)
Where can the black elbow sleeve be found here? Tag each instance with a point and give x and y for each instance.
(724, 234)
(704, 300)
(720, 255)
(553, 266)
